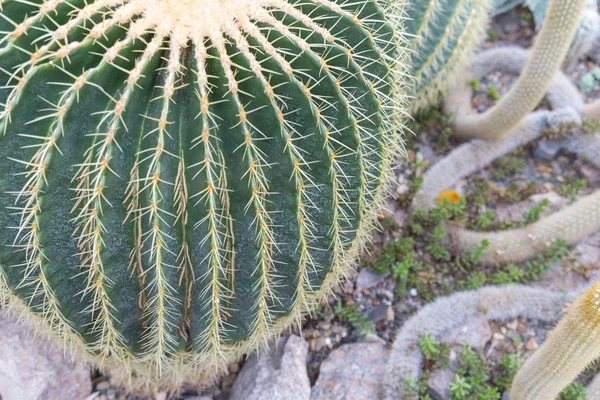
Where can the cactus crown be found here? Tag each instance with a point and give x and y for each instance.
(186, 177)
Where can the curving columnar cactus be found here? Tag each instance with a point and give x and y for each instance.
(569, 349)
(181, 179)
(456, 311)
(445, 35)
(573, 223)
(565, 100)
(551, 47)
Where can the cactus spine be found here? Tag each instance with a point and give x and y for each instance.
(446, 34)
(569, 348)
(181, 180)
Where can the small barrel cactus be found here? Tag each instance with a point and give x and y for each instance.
(182, 179)
(445, 35)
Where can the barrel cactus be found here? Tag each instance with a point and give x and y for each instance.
(445, 35)
(182, 179)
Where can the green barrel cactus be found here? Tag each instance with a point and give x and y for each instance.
(445, 34)
(180, 180)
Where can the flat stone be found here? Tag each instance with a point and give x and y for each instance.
(427, 152)
(588, 251)
(378, 314)
(547, 150)
(32, 369)
(561, 277)
(531, 345)
(514, 212)
(475, 333)
(589, 172)
(555, 201)
(352, 372)
(438, 385)
(277, 374)
(367, 279)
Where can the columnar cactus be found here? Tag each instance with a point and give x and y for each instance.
(181, 179)
(456, 311)
(551, 47)
(570, 348)
(445, 33)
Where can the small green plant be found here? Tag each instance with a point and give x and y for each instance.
(570, 189)
(474, 256)
(506, 166)
(435, 244)
(493, 93)
(485, 219)
(575, 391)
(510, 365)
(535, 212)
(416, 390)
(434, 351)
(404, 273)
(526, 15)
(473, 378)
(391, 252)
(590, 126)
(351, 313)
(589, 80)
(460, 389)
(480, 195)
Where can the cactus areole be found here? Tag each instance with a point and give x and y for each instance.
(180, 180)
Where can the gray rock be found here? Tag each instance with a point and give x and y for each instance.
(438, 385)
(589, 172)
(427, 152)
(367, 279)
(476, 333)
(547, 150)
(31, 369)
(352, 372)
(515, 211)
(378, 314)
(277, 374)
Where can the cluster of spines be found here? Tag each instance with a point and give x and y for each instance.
(158, 296)
(455, 36)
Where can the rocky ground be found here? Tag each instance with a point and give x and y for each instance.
(340, 353)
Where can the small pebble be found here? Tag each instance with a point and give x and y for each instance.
(105, 385)
(512, 325)
(531, 345)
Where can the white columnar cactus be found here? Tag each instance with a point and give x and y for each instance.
(550, 49)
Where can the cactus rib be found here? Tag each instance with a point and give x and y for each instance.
(446, 34)
(180, 192)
